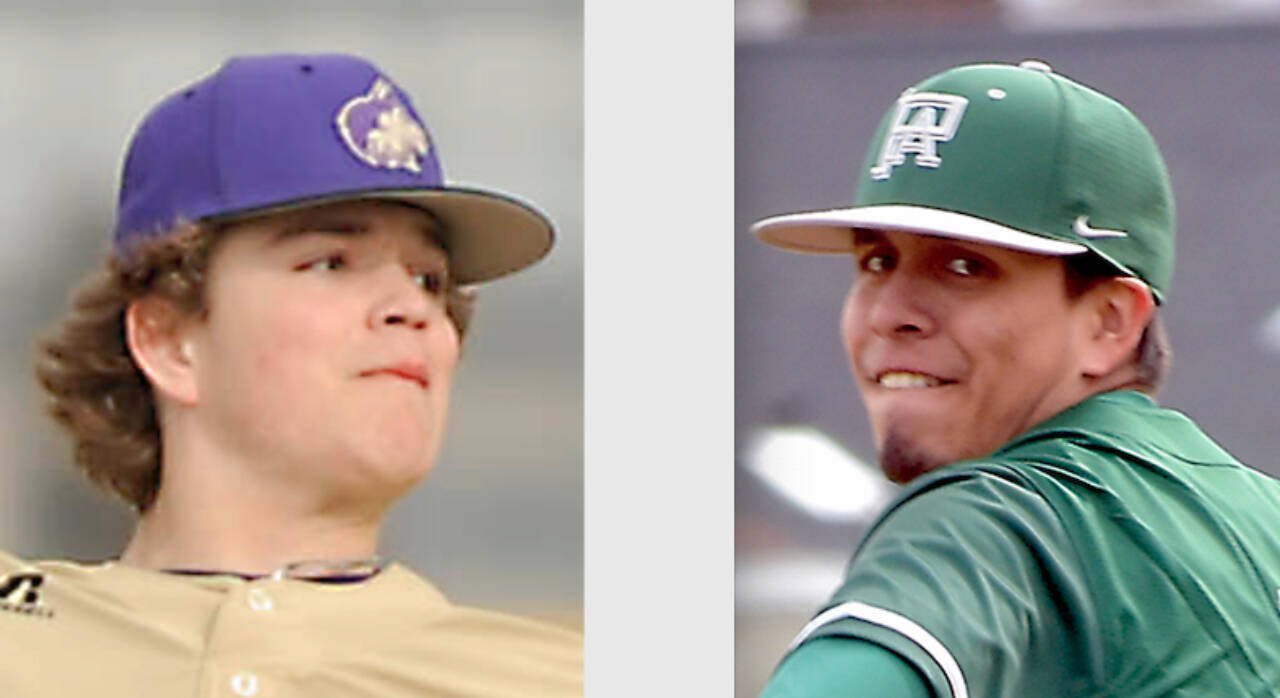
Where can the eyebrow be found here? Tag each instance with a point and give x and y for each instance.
(329, 223)
(863, 236)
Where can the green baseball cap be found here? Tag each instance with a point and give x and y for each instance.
(1013, 156)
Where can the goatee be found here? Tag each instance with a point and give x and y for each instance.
(902, 461)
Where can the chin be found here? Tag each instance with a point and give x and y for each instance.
(398, 465)
(903, 459)
(382, 463)
(909, 449)
(905, 456)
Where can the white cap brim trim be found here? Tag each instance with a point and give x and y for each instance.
(828, 232)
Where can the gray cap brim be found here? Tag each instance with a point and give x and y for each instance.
(488, 235)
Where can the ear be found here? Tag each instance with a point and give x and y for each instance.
(158, 336)
(1118, 310)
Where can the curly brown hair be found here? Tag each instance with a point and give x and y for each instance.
(97, 392)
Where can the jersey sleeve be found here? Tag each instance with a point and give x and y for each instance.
(841, 666)
(973, 580)
(10, 564)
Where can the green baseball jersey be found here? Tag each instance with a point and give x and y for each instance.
(1113, 550)
(111, 630)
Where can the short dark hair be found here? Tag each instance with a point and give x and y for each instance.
(1153, 356)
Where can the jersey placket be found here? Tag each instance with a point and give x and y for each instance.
(246, 641)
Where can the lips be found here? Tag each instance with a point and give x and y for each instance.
(408, 370)
(908, 378)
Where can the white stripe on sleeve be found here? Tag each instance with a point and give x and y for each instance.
(899, 624)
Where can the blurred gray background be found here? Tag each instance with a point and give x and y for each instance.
(499, 83)
(814, 77)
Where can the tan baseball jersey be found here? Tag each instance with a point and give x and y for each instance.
(109, 630)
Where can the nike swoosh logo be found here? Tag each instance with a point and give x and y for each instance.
(1084, 230)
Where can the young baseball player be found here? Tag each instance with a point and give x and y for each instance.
(261, 370)
(1060, 533)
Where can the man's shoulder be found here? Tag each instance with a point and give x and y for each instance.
(414, 588)
(17, 573)
(971, 498)
(21, 587)
(1087, 448)
(396, 627)
(527, 656)
(1117, 511)
(10, 563)
(90, 579)
(957, 576)
(999, 477)
(553, 651)
(1119, 423)
(1120, 449)
(80, 597)
(517, 628)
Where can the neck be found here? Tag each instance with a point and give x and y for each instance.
(1126, 378)
(167, 538)
(215, 513)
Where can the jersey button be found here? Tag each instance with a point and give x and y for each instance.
(260, 600)
(244, 684)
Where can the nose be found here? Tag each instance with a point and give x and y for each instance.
(400, 302)
(897, 307)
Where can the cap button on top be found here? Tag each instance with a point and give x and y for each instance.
(1038, 66)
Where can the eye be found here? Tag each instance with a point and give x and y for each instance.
(331, 262)
(430, 281)
(876, 263)
(964, 266)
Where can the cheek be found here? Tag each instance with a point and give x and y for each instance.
(850, 326)
(1047, 337)
(446, 349)
(1024, 356)
(276, 352)
(1008, 347)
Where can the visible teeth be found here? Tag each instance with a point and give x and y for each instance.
(902, 379)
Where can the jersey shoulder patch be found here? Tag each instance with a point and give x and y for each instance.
(22, 588)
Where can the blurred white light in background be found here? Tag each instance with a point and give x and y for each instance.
(813, 472)
(1269, 332)
(797, 581)
(767, 19)
(1111, 14)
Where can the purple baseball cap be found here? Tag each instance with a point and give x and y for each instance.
(265, 134)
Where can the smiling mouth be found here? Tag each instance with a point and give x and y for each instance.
(905, 380)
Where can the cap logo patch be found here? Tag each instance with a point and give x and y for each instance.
(1084, 230)
(921, 121)
(379, 130)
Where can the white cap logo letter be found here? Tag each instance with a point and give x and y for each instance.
(917, 129)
